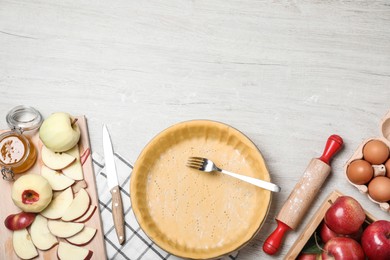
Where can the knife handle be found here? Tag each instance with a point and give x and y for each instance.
(117, 214)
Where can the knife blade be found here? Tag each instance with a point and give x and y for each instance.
(113, 186)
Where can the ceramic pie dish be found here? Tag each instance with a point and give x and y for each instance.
(193, 214)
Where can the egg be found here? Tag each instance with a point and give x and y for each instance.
(379, 189)
(376, 152)
(360, 172)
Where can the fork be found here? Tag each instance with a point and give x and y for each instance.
(206, 165)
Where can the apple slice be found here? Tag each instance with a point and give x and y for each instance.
(82, 238)
(75, 170)
(70, 252)
(59, 205)
(23, 246)
(19, 221)
(79, 206)
(40, 234)
(78, 185)
(84, 156)
(56, 161)
(84, 218)
(64, 229)
(57, 180)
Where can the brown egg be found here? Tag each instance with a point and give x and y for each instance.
(387, 165)
(375, 152)
(379, 189)
(360, 172)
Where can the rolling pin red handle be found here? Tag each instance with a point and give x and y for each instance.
(333, 145)
(273, 242)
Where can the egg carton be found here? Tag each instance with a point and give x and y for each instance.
(379, 170)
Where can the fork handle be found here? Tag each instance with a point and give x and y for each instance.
(259, 183)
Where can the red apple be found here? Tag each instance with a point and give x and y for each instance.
(326, 233)
(345, 216)
(343, 248)
(19, 221)
(376, 240)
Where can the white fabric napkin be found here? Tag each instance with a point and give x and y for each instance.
(137, 244)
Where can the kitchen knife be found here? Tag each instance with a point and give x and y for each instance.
(300, 199)
(113, 186)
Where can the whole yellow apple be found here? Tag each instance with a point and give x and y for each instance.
(59, 132)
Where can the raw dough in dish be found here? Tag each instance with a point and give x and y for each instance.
(195, 214)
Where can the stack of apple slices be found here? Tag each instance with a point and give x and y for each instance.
(65, 207)
(65, 175)
(63, 219)
(67, 162)
(66, 214)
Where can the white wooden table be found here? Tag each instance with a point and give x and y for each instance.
(286, 73)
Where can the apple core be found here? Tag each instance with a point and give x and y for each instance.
(29, 197)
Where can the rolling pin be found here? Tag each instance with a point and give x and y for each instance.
(301, 197)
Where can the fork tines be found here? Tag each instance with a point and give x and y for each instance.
(195, 162)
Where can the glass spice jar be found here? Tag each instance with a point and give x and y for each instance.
(17, 152)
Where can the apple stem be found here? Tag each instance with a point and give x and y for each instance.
(73, 122)
(318, 245)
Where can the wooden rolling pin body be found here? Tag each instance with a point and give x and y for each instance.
(300, 199)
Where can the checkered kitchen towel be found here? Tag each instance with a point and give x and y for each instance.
(137, 244)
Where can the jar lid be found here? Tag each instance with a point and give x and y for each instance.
(24, 118)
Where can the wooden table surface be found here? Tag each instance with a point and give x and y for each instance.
(286, 73)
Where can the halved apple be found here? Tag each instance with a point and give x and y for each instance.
(31, 193)
(64, 229)
(57, 180)
(19, 221)
(79, 206)
(75, 170)
(70, 252)
(83, 237)
(59, 205)
(40, 234)
(87, 215)
(56, 161)
(23, 246)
